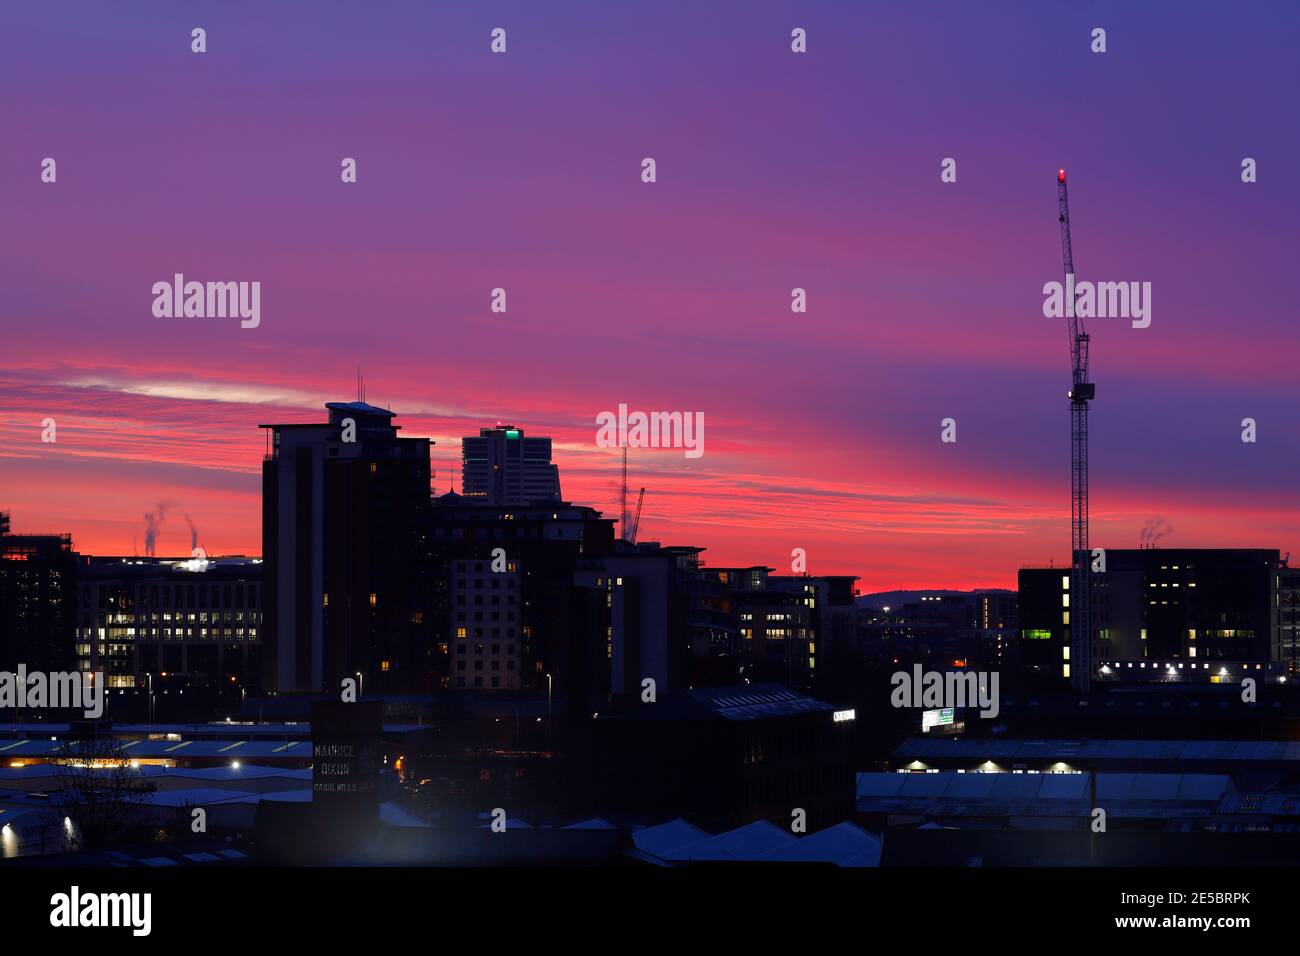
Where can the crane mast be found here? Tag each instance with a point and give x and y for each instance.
(636, 519)
(622, 520)
(1081, 392)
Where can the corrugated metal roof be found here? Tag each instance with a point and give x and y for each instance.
(153, 749)
(949, 793)
(957, 748)
(743, 843)
(843, 844)
(667, 836)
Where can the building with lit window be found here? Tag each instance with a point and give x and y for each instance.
(523, 626)
(1286, 628)
(832, 600)
(486, 624)
(670, 619)
(349, 591)
(776, 636)
(503, 467)
(142, 617)
(1202, 608)
(37, 600)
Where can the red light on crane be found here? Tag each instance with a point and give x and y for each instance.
(1060, 175)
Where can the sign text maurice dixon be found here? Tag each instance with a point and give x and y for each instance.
(341, 768)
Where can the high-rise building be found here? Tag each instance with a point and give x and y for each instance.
(486, 655)
(502, 467)
(37, 600)
(348, 582)
(510, 616)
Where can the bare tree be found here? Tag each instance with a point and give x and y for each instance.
(100, 788)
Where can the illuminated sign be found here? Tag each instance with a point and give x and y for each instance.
(937, 718)
(842, 715)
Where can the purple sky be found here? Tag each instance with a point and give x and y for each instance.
(775, 170)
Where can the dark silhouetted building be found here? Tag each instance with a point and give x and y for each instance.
(724, 756)
(348, 572)
(38, 574)
(669, 620)
(1286, 628)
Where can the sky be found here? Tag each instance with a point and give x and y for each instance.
(775, 170)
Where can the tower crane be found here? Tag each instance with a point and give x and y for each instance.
(1081, 392)
(636, 519)
(622, 499)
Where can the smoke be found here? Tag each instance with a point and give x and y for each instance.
(153, 522)
(1153, 531)
(194, 535)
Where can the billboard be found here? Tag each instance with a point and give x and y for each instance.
(944, 717)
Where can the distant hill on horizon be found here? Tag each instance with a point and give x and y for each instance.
(896, 598)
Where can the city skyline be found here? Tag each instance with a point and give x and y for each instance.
(924, 298)
(648, 451)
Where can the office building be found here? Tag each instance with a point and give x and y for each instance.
(776, 637)
(196, 617)
(1159, 606)
(503, 467)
